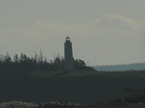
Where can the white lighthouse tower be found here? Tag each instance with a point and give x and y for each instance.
(68, 53)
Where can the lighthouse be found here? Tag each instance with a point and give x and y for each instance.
(68, 54)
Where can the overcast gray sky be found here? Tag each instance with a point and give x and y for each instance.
(103, 32)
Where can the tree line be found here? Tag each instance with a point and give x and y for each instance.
(37, 62)
(121, 67)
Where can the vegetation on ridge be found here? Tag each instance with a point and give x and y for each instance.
(37, 62)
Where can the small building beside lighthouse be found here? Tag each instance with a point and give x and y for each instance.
(68, 54)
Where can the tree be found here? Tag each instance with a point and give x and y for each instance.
(16, 58)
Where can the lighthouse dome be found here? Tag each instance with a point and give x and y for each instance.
(67, 39)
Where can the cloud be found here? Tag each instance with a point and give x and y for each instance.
(16, 34)
(110, 21)
(59, 28)
(39, 30)
(107, 25)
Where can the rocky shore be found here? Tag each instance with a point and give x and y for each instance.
(20, 104)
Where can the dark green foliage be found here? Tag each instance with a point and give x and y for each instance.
(38, 62)
(136, 96)
(80, 65)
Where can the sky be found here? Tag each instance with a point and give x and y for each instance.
(103, 32)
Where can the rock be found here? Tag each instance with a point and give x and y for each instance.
(17, 104)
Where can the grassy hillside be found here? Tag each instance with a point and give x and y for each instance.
(76, 86)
